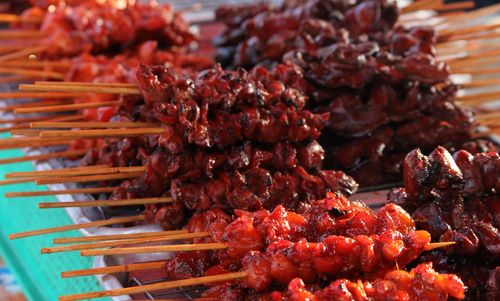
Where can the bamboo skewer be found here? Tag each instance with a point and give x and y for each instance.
(22, 131)
(43, 157)
(13, 128)
(65, 240)
(33, 142)
(437, 245)
(455, 6)
(80, 89)
(20, 34)
(472, 62)
(67, 107)
(495, 116)
(106, 203)
(60, 192)
(32, 73)
(12, 18)
(30, 95)
(155, 286)
(136, 241)
(79, 171)
(481, 83)
(115, 269)
(16, 181)
(457, 34)
(156, 249)
(90, 125)
(480, 97)
(192, 247)
(86, 84)
(23, 53)
(32, 104)
(26, 125)
(61, 64)
(13, 79)
(31, 119)
(14, 47)
(84, 179)
(103, 133)
(107, 222)
(480, 71)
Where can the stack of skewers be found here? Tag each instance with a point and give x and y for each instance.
(250, 161)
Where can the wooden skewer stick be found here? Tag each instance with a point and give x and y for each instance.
(32, 104)
(67, 107)
(13, 79)
(454, 6)
(155, 249)
(480, 97)
(106, 222)
(86, 84)
(84, 179)
(116, 243)
(13, 128)
(484, 54)
(60, 192)
(65, 240)
(191, 247)
(102, 133)
(22, 131)
(417, 5)
(437, 245)
(78, 171)
(473, 62)
(155, 286)
(23, 53)
(29, 95)
(453, 34)
(14, 47)
(31, 142)
(115, 269)
(12, 18)
(489, 116)
(481, 83)
(477, 71)
(43, 157)
(20, 34)
(89, 125)
(32, 63)
(50, 173)
(31, 119)
(33, 73)
(107, 203)
(79, 89)
(16, 181)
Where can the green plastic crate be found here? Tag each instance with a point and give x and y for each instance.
(38, 275)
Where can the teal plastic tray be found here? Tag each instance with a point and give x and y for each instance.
(38, 275)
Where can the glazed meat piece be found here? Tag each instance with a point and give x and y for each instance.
(456, 199)
(107, 29)
(421, 283)
(325, 238)
(263, 34)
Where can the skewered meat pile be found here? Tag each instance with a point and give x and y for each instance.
(233, 139)
(324, 240)
(456, 199)
(261, 33)
(380, 83)
(106, 29)
(421, 283)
